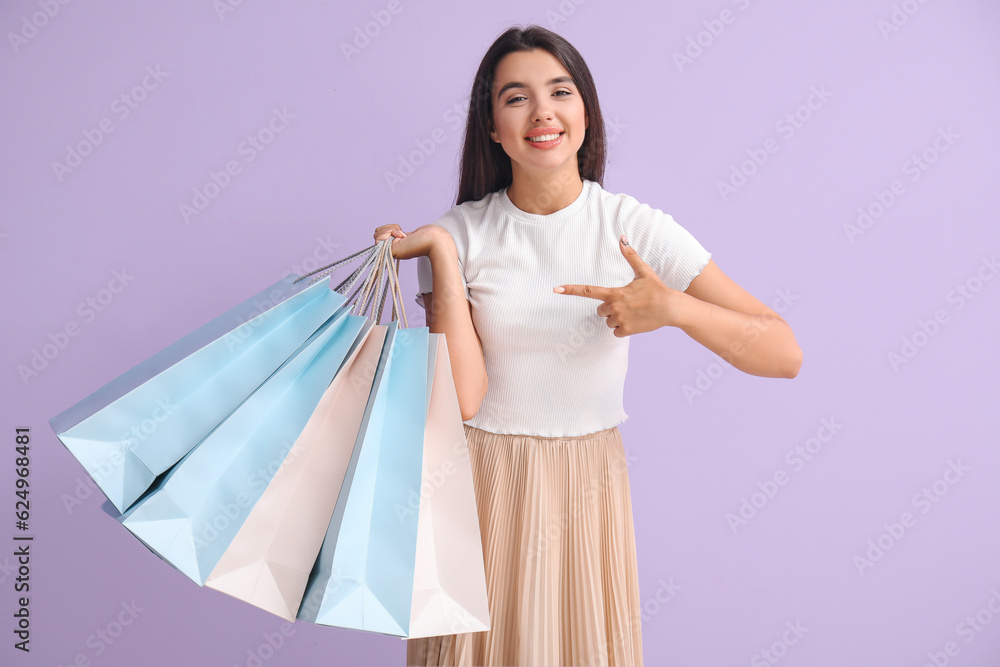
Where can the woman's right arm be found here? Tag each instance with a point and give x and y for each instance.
(447, 309)
(450, 313)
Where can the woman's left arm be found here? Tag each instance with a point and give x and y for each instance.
(713, 310)
(725, 318)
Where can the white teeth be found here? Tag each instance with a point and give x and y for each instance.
(544, 137)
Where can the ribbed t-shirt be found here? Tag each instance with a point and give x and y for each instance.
(554, 366)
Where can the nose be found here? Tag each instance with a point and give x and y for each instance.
(542, 112)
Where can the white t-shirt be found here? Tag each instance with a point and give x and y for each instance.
(554, 366)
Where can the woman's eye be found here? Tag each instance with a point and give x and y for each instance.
(521, 97)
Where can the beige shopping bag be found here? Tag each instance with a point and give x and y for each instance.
(269, 561)
(449, 578)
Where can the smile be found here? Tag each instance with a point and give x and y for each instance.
(545, 140)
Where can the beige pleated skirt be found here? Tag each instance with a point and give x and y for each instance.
(559, 551)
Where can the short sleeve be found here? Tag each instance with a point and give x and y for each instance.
(454, 223)
(670, 249)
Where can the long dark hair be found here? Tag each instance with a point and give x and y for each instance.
(485, 166)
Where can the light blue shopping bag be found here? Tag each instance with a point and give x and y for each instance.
(135, 427)
(193, 513)
(363, 577)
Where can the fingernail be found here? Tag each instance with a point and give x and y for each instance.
(623, 240)
(559, 290)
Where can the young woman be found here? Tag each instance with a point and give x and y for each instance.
(537, 277)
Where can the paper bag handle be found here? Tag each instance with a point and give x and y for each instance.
(378, 259)
(384, 265)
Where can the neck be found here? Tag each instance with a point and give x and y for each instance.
(543, 194)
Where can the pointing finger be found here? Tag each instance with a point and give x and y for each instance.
(591, 291)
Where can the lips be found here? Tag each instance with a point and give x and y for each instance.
(543, 137)
(542, 131)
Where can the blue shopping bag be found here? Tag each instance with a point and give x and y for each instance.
(141, 423)
(363, 576)
(193, 513)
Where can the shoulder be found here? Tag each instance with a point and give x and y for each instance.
(463, 221)
(627, 212)
(473, 211)
(648, 224)
(627, 206)
(466, 222)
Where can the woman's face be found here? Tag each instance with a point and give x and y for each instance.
(532, 91)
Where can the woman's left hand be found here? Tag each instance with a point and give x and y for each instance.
(643, 305)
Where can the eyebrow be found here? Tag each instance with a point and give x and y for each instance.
(518, 84)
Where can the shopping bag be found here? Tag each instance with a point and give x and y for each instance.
(449, 579)
(135, 427)
(365, 564)
(270, 558)
(191, 516)
(380, 564)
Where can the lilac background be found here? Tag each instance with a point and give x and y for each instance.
(317, 192)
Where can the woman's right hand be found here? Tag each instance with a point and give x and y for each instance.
(421, 241)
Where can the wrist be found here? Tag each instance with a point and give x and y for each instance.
(678, 310)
